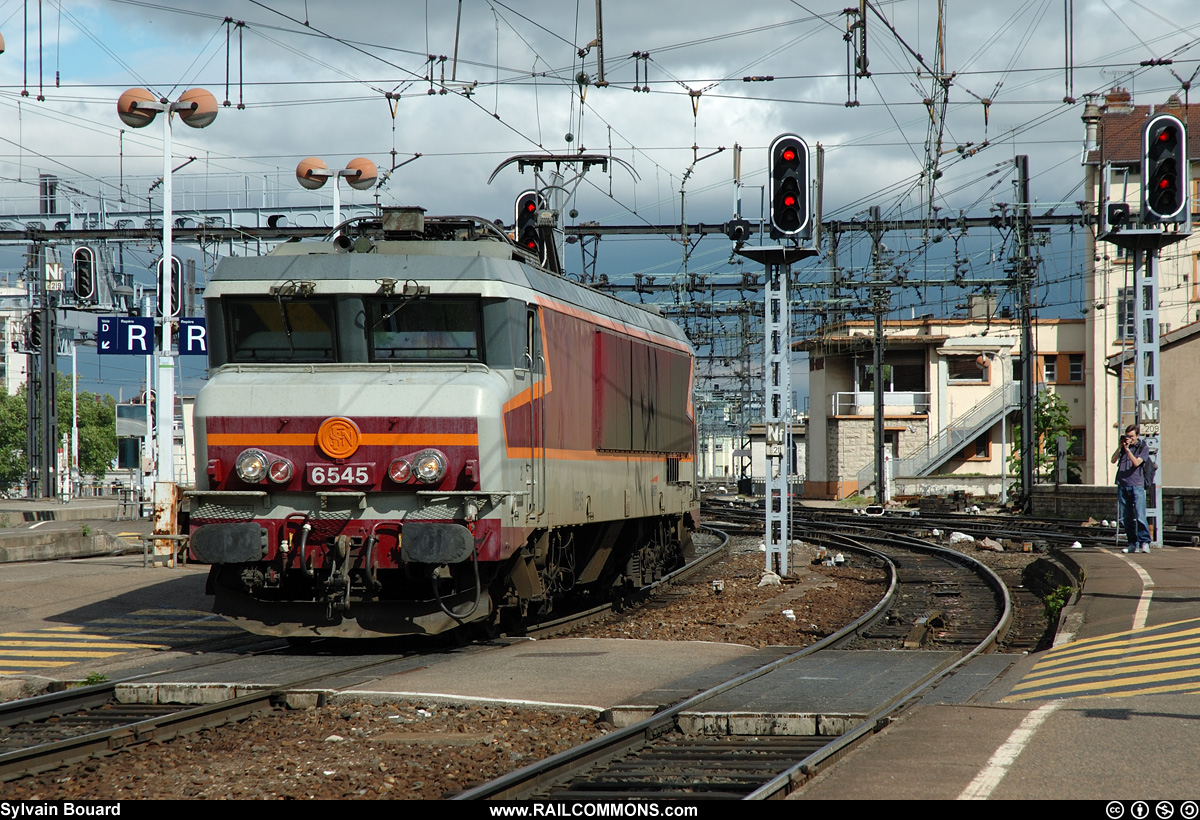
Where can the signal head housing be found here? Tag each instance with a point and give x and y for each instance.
(1164, 170)
(787, 168)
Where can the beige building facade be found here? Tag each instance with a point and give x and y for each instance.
(951, 400)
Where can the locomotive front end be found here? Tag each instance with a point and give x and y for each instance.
(342, 446)
(418, 429)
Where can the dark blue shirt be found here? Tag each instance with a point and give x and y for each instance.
(1127, 474)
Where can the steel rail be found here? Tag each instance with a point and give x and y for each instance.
(557, 626)
(563, 765)
(558, 766)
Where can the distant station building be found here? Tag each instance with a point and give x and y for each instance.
(14, 313)
(951, 398)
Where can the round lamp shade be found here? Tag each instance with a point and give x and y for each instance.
(136, 117)
(204, 112)
(305, 175)
(365, 173)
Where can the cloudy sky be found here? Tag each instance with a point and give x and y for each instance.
(354, 78)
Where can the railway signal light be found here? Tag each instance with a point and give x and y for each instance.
(85, 274)
(738, 230)
(788, 171)
(35, 333)
(526, 231)
(176, 287)
(1164, 170)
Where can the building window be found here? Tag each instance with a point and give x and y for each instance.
(1077, 448)
(903, 370)
(1050, 369)
(866, 377)
(1125, 327)
(967, 368)
(1075, 368)
(980, 449)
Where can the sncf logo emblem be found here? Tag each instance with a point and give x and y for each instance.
(338, 437)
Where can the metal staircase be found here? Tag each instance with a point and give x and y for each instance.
(951, 439)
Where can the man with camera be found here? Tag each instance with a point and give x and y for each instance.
(1131, 490)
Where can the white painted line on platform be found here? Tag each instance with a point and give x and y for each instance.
(1143, 608)
(38, 524)
(989, 778)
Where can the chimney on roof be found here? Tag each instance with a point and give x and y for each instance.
(1173, 103)
(1118, 101)
(1091, 121)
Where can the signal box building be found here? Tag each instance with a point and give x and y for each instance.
(951, 399)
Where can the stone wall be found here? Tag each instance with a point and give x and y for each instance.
(1181, 505)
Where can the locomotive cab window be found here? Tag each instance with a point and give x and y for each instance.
(280, 330)
(425, 329)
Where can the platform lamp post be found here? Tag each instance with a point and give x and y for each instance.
(137, 108)
(360, 173)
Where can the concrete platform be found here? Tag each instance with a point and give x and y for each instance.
(48, 530)
(821, 694)
(592, 674)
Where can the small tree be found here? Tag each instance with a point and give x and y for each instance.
(1051, 419)
(97, 431)
(13, 464)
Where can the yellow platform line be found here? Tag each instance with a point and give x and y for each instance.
(39, 653)
(1157, 659)
(76, 644)
(1115, 660)
(1118, 689)
(1132, 677)
(27, 665)
(49, 636)
(1129, 638)
(1149, 632)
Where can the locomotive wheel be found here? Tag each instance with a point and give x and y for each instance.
(489, 628)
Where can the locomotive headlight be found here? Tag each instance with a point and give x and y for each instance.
(280, 471)
(430, 466)
(251, 466)
(400, 471)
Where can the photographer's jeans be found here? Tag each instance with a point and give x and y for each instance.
(1131, 507)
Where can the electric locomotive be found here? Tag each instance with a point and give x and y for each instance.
(416, 426)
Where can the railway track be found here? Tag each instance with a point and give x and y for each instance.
(1029, 629)
(706, 555)
(43, 733)
(659, 759)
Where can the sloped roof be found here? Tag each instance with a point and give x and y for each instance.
(1120, 137)
(1188, 333)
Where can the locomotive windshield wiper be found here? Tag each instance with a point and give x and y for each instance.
(287, 326)
(408, 295)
